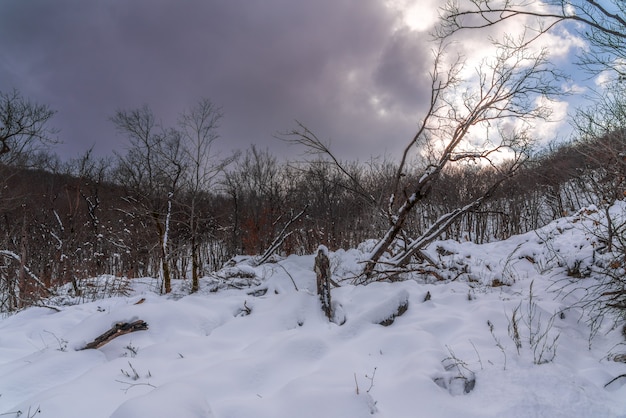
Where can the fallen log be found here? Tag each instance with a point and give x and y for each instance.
(119, 329)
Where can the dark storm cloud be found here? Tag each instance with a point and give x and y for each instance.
(402, 66)
(346, 68)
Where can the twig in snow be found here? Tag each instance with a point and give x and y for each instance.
(613, 380)
(290, 276)
(132, 385)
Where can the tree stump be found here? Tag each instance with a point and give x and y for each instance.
(322, 270)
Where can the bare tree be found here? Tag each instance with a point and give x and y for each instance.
(601, 23)
(481, 120)
(151, 170)
(23, 126)
(198, 127)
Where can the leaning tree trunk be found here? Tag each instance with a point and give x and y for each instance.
(422, 189)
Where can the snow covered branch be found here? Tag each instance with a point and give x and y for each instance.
(280, 238)
(33, 276)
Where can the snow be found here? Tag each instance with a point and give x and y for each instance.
(323, 249)
(225, 352)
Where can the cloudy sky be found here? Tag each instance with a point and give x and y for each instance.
(353, 71)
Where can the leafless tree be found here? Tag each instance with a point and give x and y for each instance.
(23, 126)
(198, 127)
(151, 170)
(481, 120)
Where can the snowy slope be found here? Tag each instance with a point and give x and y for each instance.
(231, 354)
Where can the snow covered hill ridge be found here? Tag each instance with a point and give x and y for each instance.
(503, 329)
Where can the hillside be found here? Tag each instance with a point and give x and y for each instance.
(254, 342)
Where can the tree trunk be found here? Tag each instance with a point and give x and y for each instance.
(118, 329)
(165, 267)
(22, 274)
(322, 270)
(421, 191)
(195, 265)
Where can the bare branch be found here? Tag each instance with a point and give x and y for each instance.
(603, 24)
(23, 126)
(280, 238)
(312, 145)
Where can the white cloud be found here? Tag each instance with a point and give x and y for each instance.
(557, 127)
(420, 16)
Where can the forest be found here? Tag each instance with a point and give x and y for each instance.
(165, 207)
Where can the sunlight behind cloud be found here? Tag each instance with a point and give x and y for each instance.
(378, 106)
(420, 16)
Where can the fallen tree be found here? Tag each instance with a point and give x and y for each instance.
(117, 330)
(482, 120)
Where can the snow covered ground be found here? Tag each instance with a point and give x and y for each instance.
(237, 353)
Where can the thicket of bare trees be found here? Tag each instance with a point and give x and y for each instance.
(69, 226)
(24, 133)
(170, 205)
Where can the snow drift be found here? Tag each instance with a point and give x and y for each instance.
(265, 349)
